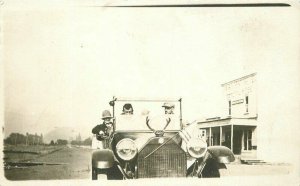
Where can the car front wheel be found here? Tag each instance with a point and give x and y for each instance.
(94, 174)
(211, 169)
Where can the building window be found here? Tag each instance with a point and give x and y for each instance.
(229, 104)
(247, 101)
(247, 140)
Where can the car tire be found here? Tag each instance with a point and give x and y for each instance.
(114, 173)
(94, 174)
(211, 169)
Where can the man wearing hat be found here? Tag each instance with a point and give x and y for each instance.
(127, 109)
(104, 130)
(169, 108)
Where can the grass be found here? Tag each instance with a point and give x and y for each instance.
(38, 149)
(21, 153)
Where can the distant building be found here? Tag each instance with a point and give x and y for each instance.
(237, 130)
(78, 138)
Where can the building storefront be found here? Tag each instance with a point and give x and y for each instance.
(238, 129)
(238, 134)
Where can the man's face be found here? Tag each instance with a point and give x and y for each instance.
(128, 112)
(169, 110)
(107, 121)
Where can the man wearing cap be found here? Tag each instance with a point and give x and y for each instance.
(127, 109)
(169, 108)
(104, 130)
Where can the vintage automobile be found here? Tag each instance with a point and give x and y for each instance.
(152, 144)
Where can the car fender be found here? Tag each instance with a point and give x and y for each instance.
(221, 153)
(103, 159)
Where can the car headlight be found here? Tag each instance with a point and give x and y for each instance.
(126, 149)
(196, 147)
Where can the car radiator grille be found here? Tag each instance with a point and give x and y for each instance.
(168, 161)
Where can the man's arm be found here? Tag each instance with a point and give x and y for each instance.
(100, 131)
(97, 129)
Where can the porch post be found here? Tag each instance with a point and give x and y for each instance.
(247, 140)
(243, 136)
(231, 136)
(220, 135)
(209, 142)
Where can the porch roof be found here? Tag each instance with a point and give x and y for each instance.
(228, 121)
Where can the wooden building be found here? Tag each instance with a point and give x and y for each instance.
(238, 129)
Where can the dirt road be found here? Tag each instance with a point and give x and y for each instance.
(75, 164)
(257, 170)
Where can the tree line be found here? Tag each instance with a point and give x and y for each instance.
(34, 139)
(28, 139)
(87, 142)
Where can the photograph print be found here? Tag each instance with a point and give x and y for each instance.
(128, 90)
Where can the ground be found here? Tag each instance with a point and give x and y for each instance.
(74, 163)
(256, 170)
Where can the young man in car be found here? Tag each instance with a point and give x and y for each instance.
(169, 108)
(127, 109)
(104, 130)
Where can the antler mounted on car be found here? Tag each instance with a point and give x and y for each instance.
(147, 122)
(168, 122)
(158, 133)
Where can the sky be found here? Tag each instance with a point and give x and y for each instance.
(63, 66)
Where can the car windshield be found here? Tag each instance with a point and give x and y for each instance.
(126, 119)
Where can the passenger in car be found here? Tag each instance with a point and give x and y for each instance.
(127, 109)
(169, 108)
